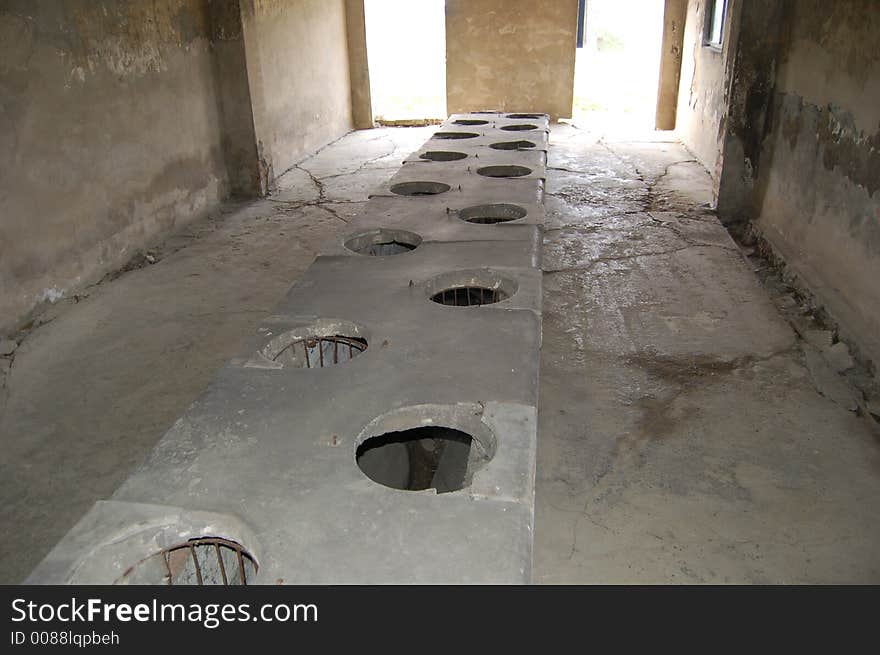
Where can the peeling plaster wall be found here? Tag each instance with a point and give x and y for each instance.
(818, 186)
(510, 55)
(704, 87)
(754, 61)
(297, 61)
(111, 132)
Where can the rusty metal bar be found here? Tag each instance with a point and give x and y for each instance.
(222, 566)
(166, 558)
(192, 550)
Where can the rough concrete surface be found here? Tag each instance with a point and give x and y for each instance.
(271, 444)
(681, 436)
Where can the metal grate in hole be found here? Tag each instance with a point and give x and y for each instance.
(200, 561)
(381, 242)
(320, 352)
(469, 296)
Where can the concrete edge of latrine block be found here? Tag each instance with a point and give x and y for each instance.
(494, 139)
(386, 237)
(334, 525)
(449, 210)
(233, 459)
(500, 172)
(462, 157)
(418, 182)
(481, 534)
(383, 286)
(114, 537)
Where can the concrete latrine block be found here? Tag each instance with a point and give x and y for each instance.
(381, 426)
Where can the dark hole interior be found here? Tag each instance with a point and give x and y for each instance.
(419, 188)
(429, 457)
(468, 296)
(470, 121)
(492, 214)
(388, 248)
(520, 127)
(503, 171)
(512, 145)
(525, 116)
(455, 135)
(443, 155)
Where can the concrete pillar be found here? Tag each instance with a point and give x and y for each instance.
(674, 16)
(359, 71)
(234, 99)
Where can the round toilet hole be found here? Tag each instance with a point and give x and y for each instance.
(512, 145)
(322, 344)
(383, 242)
(470, 288)
(455, 135)
(492, 213)
(470, 121)
(468, 296)
(425, 457)
(519, 127)
(199, 561)
(443, 155)
(503, 171)
(525, 116)
(320, 352)
(419, 188)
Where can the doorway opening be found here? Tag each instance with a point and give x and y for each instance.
(617, 67)
(406, 54)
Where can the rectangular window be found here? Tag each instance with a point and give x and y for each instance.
(714, 33)
(582, 22)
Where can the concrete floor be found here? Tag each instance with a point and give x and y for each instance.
(681, 437)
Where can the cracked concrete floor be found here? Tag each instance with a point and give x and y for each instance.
(681, 438)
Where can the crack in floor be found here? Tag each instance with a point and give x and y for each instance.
(592, 264)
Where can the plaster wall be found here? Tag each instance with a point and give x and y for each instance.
(298, 68)
(818, 187)
(704, 87)
(111, 132)
(510, 55)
